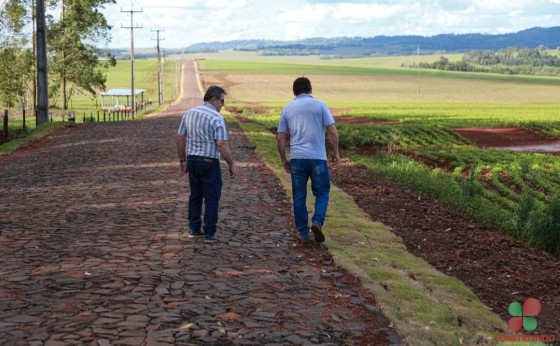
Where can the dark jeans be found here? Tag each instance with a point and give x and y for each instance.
(205, 181)
(318, 172)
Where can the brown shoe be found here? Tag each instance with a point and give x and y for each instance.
(318, 232)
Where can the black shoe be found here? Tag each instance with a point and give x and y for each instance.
(318, 233)
(195, 234)
(212, 240)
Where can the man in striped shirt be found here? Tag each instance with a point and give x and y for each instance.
(201, 139)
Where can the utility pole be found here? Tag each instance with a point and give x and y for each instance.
(132, 27)
(63, 73)
(160, 69)
(42, 76)
(34, 44)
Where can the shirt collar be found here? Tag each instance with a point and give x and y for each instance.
(304, 95)
(211, 106)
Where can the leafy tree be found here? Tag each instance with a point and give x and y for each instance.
(72, 44)
(16, 61)
(13, 17)
(15, 73)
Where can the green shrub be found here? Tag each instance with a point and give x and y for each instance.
(547, 232)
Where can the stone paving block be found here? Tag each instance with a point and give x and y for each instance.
(25, 319)
(130, 341)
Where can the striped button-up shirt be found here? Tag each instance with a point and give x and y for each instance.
(203, 126)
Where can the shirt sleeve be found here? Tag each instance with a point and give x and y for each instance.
(220, 132)
(283, 124)
(182, 128)
(328, 118)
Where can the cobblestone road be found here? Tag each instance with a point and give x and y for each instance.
(93, 250)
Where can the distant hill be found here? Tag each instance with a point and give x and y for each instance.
(392, 45)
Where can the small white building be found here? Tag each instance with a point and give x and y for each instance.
(121, 99)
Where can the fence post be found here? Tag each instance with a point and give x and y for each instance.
(84, 118)
(97, 116)
(51, 116)
(24, 125)
(5, 125)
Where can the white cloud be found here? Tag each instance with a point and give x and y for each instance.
(496, 4)
(190, 21)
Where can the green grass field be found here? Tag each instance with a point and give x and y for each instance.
(146, 74)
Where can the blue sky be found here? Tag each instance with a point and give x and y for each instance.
(186, 22)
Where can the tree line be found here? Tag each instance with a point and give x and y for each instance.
(513, 61)
(74, 62)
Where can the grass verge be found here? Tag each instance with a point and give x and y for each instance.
(426, 306)
(36, 133)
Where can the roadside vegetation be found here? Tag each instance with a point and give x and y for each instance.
(78, 70)
(87, 108)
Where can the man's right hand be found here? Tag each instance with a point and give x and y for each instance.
(335, 159)
(232, 171)
(287, 166)
(183, 169)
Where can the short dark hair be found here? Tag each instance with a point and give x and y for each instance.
(302, 85)
(214, 91)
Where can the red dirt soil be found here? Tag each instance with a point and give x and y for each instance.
(509, 138)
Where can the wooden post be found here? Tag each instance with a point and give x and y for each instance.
(24, 124)
(5, 125)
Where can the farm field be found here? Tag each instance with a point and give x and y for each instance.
(405, 134)
(421, 133)
(392, 61)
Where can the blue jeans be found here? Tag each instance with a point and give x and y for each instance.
(318, 171)
(205, 181)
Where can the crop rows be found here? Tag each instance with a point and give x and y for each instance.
(500, 177)
(543, 118)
